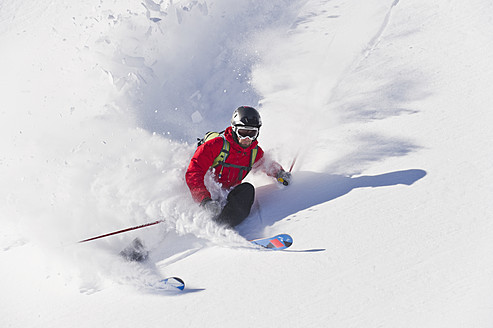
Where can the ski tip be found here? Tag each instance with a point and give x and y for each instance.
(278, 242)
(285, 237)
(175, 282)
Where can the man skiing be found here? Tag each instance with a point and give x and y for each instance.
(230, 156)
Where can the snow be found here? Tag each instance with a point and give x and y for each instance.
(385, 105)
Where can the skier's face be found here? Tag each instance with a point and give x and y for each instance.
(245, 142)
(246, 135)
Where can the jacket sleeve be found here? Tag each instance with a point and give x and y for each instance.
(267, 164)
(199, 165)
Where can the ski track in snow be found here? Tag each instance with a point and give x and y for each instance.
(385, 103)
(374, 41)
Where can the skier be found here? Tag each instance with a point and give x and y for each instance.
(230, 157)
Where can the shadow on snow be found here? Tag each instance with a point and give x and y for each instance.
(309, 189)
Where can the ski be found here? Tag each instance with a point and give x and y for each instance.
(278, 242)
(170, 283)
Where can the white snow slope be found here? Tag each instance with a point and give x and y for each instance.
(387, 102)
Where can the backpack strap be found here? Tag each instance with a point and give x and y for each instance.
(246, 169)
(221, 158)
(253, 156)
(223, 155)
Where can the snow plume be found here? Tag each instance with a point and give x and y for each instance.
(140, 82)
(101, 107)
(194, 64)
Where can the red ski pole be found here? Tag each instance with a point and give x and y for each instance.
(123, 230)
(292, 164)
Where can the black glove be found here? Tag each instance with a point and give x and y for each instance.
(211, 206)
(283, 177)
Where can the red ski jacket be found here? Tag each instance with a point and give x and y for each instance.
(205, 155)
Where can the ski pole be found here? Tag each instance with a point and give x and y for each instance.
(294, 161)
(123, 230)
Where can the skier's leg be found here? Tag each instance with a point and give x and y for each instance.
(240, 201)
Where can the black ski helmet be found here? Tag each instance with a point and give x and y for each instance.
(246, 116)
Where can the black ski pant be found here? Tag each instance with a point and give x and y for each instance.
(238, 206)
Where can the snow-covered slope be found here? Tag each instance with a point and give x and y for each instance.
(386, 105)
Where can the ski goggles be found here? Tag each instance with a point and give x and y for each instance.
(249, 132)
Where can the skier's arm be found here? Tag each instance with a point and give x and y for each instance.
(199, 165)
(272, 168)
